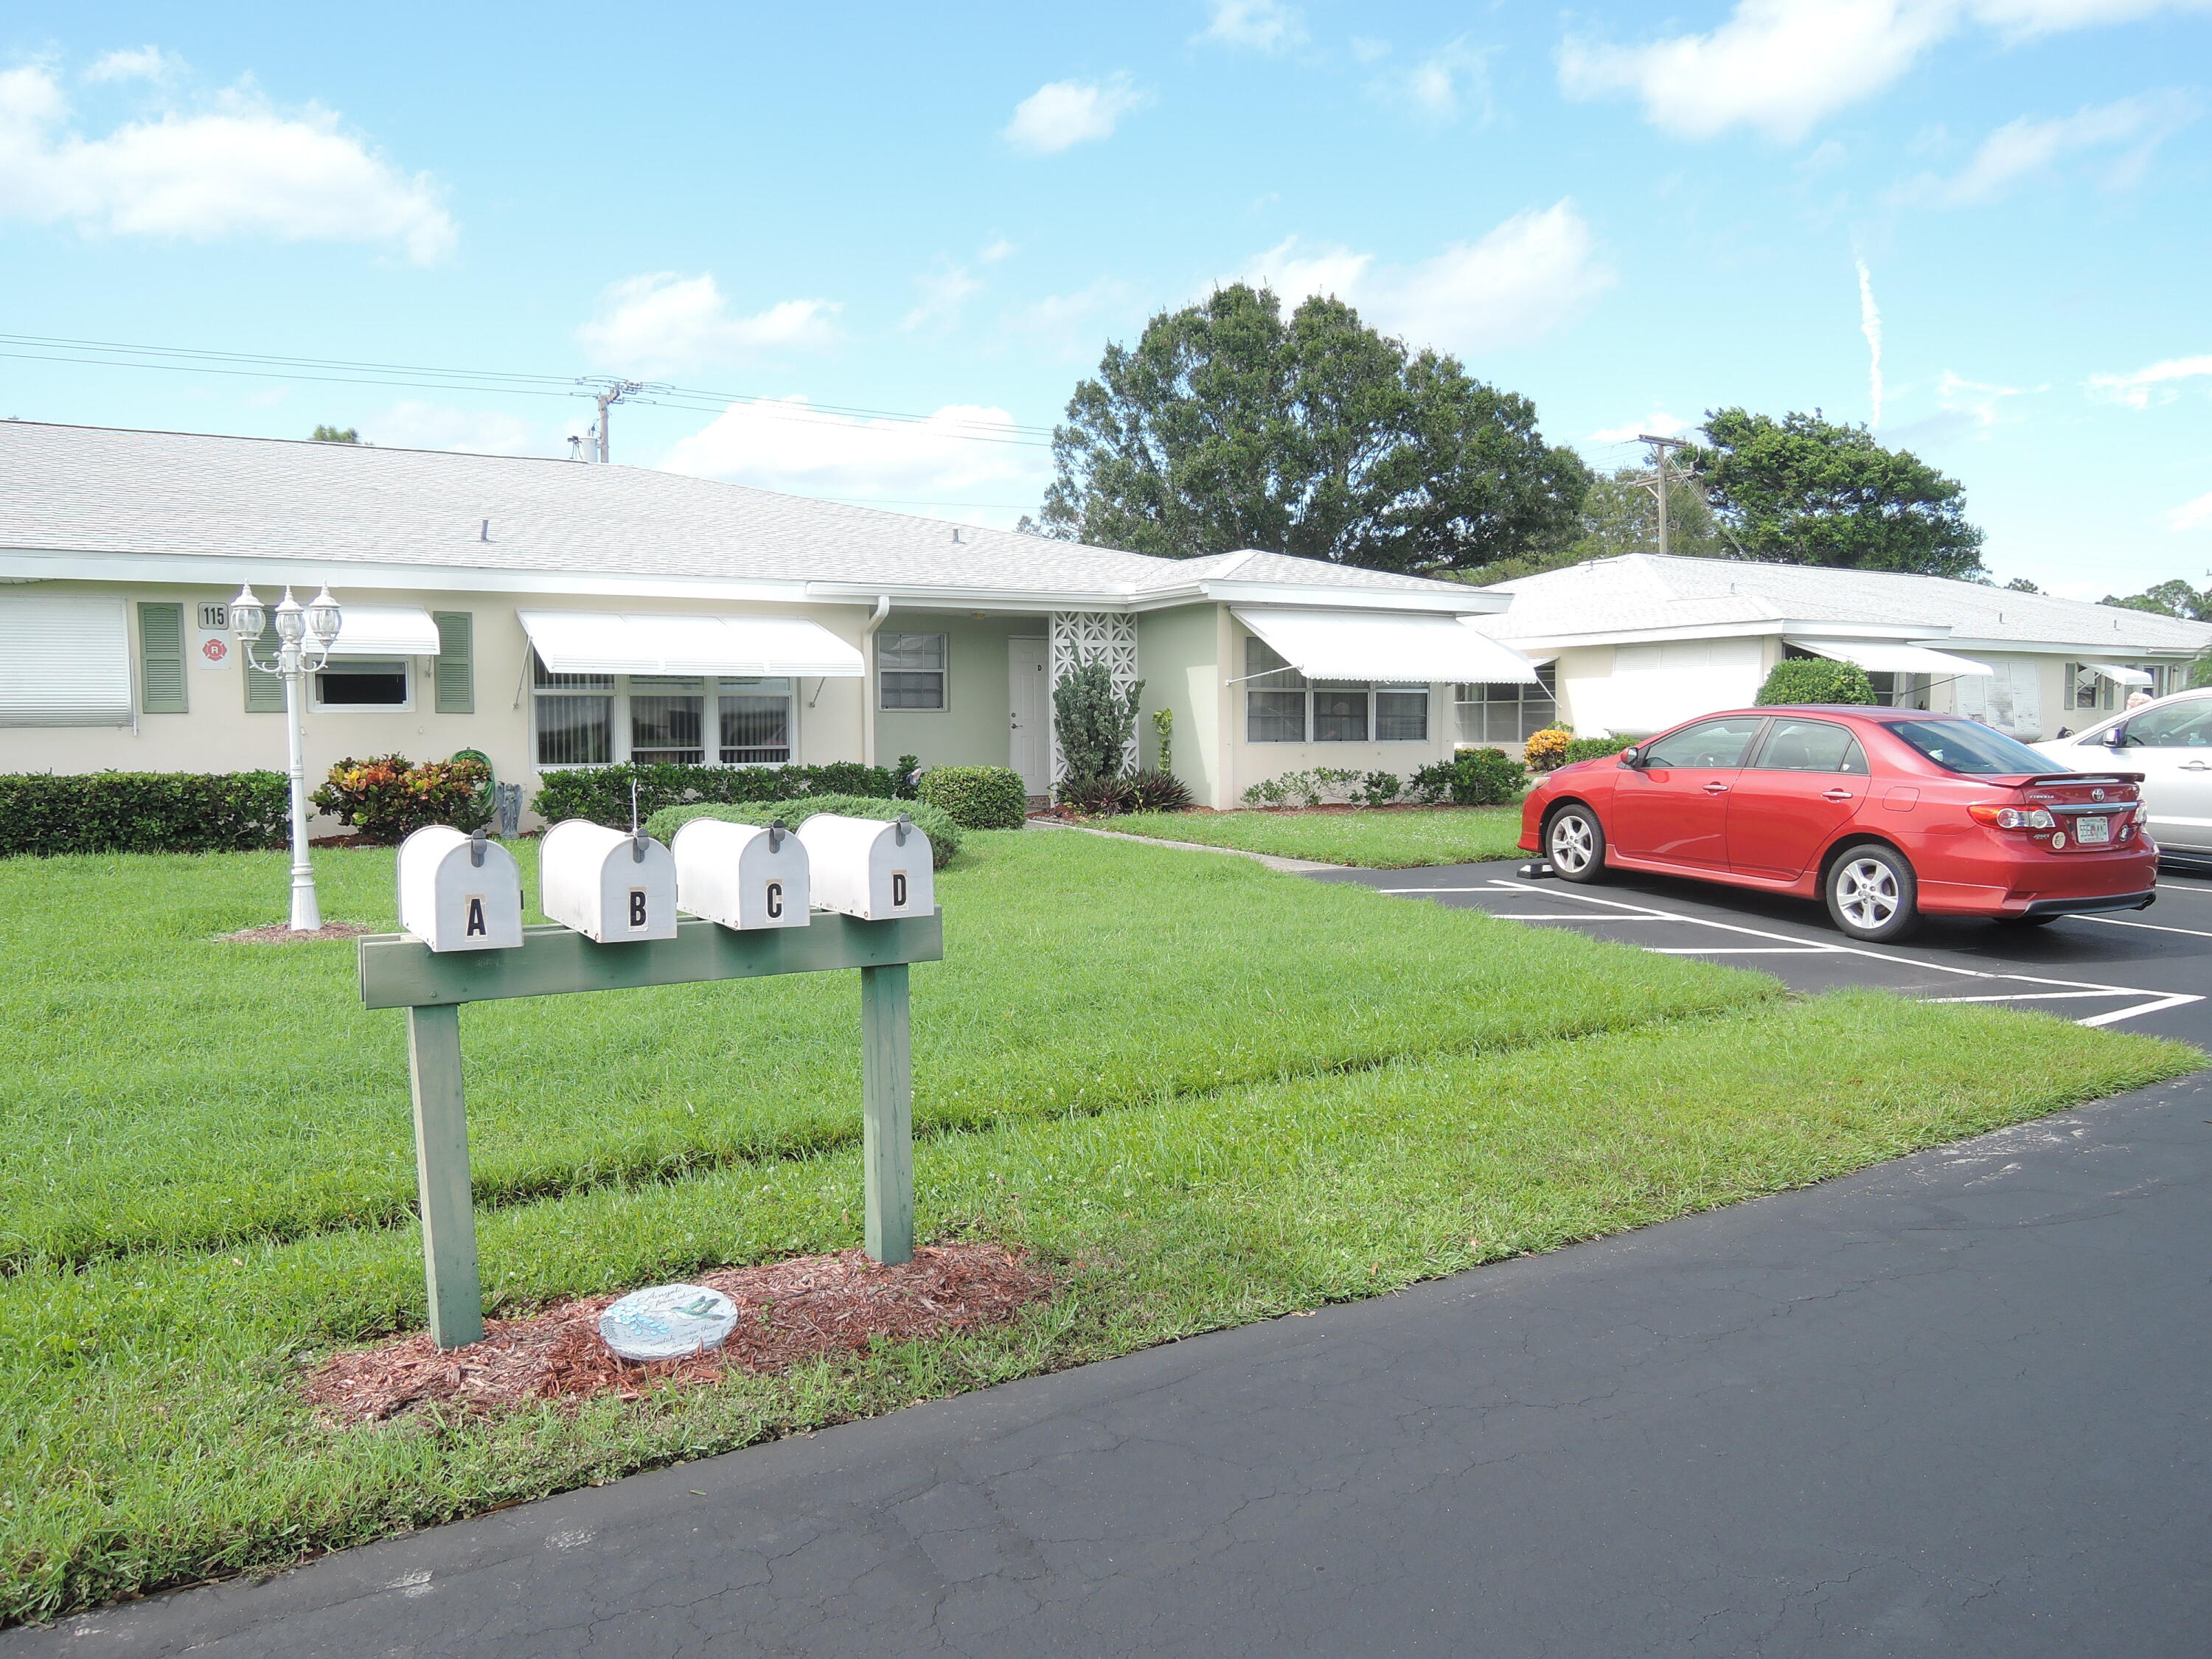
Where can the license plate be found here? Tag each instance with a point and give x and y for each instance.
(2092, 832)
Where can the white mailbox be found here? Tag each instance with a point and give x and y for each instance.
(741, 875)
(608, 885)
(459, 892)
(867, 868)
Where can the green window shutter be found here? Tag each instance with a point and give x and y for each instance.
(456, 676)
(264, 693)
(161, 658)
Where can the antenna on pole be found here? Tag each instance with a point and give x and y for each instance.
(609, 393)
(1661, 477)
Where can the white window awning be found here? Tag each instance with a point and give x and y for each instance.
(385, 630)
(2118, 673)
(1893, 657)
(1392, 648)
(596, 642)
(64, 661)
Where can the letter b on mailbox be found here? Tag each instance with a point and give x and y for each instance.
(457, 892)
(607, 885)
(866, 868)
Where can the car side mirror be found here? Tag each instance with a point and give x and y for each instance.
(1631, 756)
(2116, 737)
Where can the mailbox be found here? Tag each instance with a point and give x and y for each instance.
(866, 868)
(741, 875)
(459, 892)
(610, 886)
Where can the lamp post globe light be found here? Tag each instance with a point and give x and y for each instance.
(304, 635)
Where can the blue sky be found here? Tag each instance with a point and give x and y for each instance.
(1629, 215)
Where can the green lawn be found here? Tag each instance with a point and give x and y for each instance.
(1207, 1093)
(1392, 840)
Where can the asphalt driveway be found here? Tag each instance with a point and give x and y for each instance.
(2145, 970)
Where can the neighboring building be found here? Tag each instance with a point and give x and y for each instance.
(554, 613)
(1629, 645)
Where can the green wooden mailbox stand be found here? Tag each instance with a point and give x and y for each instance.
(399, 970)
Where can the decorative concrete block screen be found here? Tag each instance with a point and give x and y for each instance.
(1077, 637)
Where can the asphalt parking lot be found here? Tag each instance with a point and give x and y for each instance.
(2145, 970)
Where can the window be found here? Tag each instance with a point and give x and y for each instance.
(1795, 745)
(361, 682)
(67, 661)
(910, 670)
(1709, 743)
(1509, 713)
(1969, 746)
(2177, 726)
(591, 720)
(756, 721)
(1900, 690)
(2085, 687)
(1282, 706)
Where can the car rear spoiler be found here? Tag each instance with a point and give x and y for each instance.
(2085, 777)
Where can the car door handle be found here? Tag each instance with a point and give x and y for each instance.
(1837, 794)
(1716, 789)
(2194, 766)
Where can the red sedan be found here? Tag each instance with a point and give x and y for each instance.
(1886, 813)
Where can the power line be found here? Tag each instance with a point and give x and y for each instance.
(421, 377)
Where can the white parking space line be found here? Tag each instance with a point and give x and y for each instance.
(2148, 926)
(2065, 989)
(1517, 915)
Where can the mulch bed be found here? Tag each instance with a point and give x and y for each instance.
(277, 933)
(787, 1311)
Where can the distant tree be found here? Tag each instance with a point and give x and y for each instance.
(1229, 425)
(332, 434)
(2169, 599)
(2021, 585)
(1805, 490)
(1620, 515)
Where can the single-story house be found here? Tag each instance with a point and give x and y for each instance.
(1628, 646)
(558, 613)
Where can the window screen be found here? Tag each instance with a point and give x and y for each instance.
(910, 670)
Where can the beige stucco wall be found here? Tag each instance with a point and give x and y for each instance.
(217, 735)
(1179, 657)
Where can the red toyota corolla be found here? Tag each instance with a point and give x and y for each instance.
(1886, 813)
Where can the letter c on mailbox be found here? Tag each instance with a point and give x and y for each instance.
(775, 898)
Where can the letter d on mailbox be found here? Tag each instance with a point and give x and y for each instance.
(869, 869)
(609, 886)
(740, 875)
(459, 892)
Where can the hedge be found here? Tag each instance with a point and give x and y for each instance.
(601, 793)
(1816, 680)
(44, 815)
(978, 796)
(944, 834)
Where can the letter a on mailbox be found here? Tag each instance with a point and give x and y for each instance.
(459, 892)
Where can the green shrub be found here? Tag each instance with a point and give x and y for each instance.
(388, 798)
(978, 796)
(1582, 749)
(44, 815)
(1095, 797)
(1430, 785)
(1816, 680)
(1310, 787)
(944, 834)
(1486, 777)
(905, 776)
(1380, 788)
(1097, 724)
(601, 793)
(1157, 791)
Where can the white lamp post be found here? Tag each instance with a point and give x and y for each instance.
(304, 638)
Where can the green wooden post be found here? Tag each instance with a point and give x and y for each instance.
(887, 1103)
(441, 1174)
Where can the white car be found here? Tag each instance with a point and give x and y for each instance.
(2169, 741)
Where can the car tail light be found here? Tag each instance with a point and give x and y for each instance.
(2011, 818)
(2141, 814)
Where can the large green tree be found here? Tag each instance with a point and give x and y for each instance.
(1620, 515)
(1229, 425)
(2170, 598)
(1805, 490)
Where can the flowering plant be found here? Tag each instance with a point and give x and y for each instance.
(389, 797)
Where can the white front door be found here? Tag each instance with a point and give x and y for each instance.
(1028, 695)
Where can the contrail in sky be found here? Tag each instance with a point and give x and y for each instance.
(1870, 326)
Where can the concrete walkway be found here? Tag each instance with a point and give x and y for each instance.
(1954, 1407)
(1293, 867)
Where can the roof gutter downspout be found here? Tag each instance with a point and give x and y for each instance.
(868, 678)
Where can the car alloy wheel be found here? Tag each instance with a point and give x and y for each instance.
(1872, 894)
(1575, 844)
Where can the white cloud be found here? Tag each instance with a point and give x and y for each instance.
(2191, 515)
(2153, 384)
(240, 167)
(2021, 148)
(664, 323)
(962, 453)
(1782, 66)
(1062, 113)
(1263, 25)
(411, 424)
(944, 291)
(998, 249)
(1870, 326)
(1442, 85)
(1521, 280)
(1979, 400)
(1658, 424)
(1071, 327)
(140, 63)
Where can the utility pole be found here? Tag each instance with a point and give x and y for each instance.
(610, 393)
(1660, 477)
